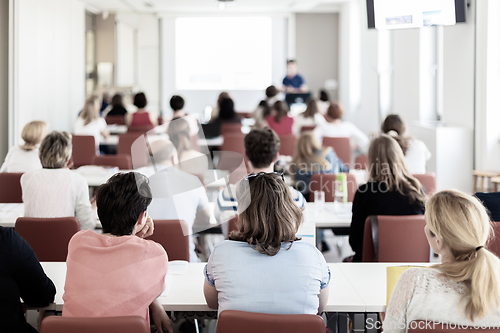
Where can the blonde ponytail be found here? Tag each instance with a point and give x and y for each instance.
(461, 221)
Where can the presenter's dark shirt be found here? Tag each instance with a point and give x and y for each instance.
(21, 275)
(297, 81)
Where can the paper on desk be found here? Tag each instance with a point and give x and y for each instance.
(5, 214)
(178, 267)
(168, 280)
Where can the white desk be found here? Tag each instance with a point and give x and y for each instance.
(112, 140)
(331, 216)
(117, 129)
(9, 214)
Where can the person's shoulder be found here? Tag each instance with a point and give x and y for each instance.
(230, 248)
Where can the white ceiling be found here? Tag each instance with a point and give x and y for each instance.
(210, 6)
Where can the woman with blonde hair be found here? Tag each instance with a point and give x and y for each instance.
(391, 190)
(464, 289)
(25, 157)
(311, 158)
(264, 267)
(90, 123)
(310, 117)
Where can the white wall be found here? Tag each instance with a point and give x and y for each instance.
(49, 72)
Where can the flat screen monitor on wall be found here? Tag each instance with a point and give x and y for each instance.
(400, 14)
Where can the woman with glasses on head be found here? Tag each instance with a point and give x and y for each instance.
(462, 290)
(264, 267)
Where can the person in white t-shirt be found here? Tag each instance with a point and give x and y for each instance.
(25, 157)
(310, 117)
(416, 152)
(89, 122)
(177, 195)
(177, 105)
(334, 127)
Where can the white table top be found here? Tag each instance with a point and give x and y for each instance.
(185, 292)
(117, 129)
(112, 140)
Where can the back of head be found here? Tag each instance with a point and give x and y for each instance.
(323, 96)
(311, 109)
(117, 100)
(55, 150)
(267, 215)
(395, 127)
(120, 202)
(387, 165)
(140, 100)
(226, 110)
(222, 96)
(178, 132)
(162, 150)
(32, 134)
(335, 111)
(271, 91)
(176, 103)
(262, 147)
(462, 223)
(90, 110)
(281, 109)
(309, 155)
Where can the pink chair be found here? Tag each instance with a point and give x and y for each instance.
(84, 150)
(230, 128)
(130, 324)
(494, 244)
(173, 235)
(121, 161)
(318, 181)
(307, 128)
(288, 143)
(428, 181)
(342, 147)
(112, 120)
(361, 162)
(140, 129)
(10, 187)
(395, 239)
(125, 142)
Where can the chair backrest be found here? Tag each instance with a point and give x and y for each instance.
(125, 142)
(173, 235)
(395, 239)
(428, 181)
(231, 321)
(140, 129)
(112, 120)
(83, 150)
(234, 142)
(361, 162)
(288, 144)
(48, 237)
(10, 187)
(494, 244)
(226, 128)
(232, 225)
(342, 147)
(420, 326)
(325, 182)
(122, 161)
(307, 128)
(58, 324)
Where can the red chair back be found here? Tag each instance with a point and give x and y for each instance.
(130, 324)
(361, 162)
(428, 181)
(234, 142)
(115, 120)
(395, 239)
(83, 150)
(121, 161)
(173, 235)
(10, 187)
(342, 147)
(140, 129)
(494, 245)
(48, 237)
(232, 225)
(231, 321)
(420, 326)
(307, 128)
(226, 128)
(318, 181)
(288, 144)
(125, 142)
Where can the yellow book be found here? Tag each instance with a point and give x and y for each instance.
(393, 274)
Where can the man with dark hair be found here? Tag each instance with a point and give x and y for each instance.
(176, 103)
(261, 148)
(293, 82)
(118, 273)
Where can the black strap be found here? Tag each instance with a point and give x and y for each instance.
(374, 224)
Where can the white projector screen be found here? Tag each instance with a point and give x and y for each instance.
(223, 53)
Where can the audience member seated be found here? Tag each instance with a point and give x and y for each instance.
(416, 152)
(264, 108)
(311, 158)
(216, 109)
(141, 117)
(310, 117)
(118, 273)
(104, 103)
(177, 105)
(177, 195)
(262, 147)
(491, 202)
(89, 122)
(227, 115)
(464, 289)
(21, 277)
(25, 157)
(117, 106)
(55, 190)
(264, 267)
(334, 127)
(324, 101)
(391, 190)
(279, 120)
(190, 160)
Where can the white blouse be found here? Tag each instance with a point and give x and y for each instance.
(94, 128)
(417, 156)
(301, 121)
(343, 129)
(425, 294)
(57, 193)
(20, 160)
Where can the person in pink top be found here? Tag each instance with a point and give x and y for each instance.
(118, 273)
(141, 117)
(279, 120)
